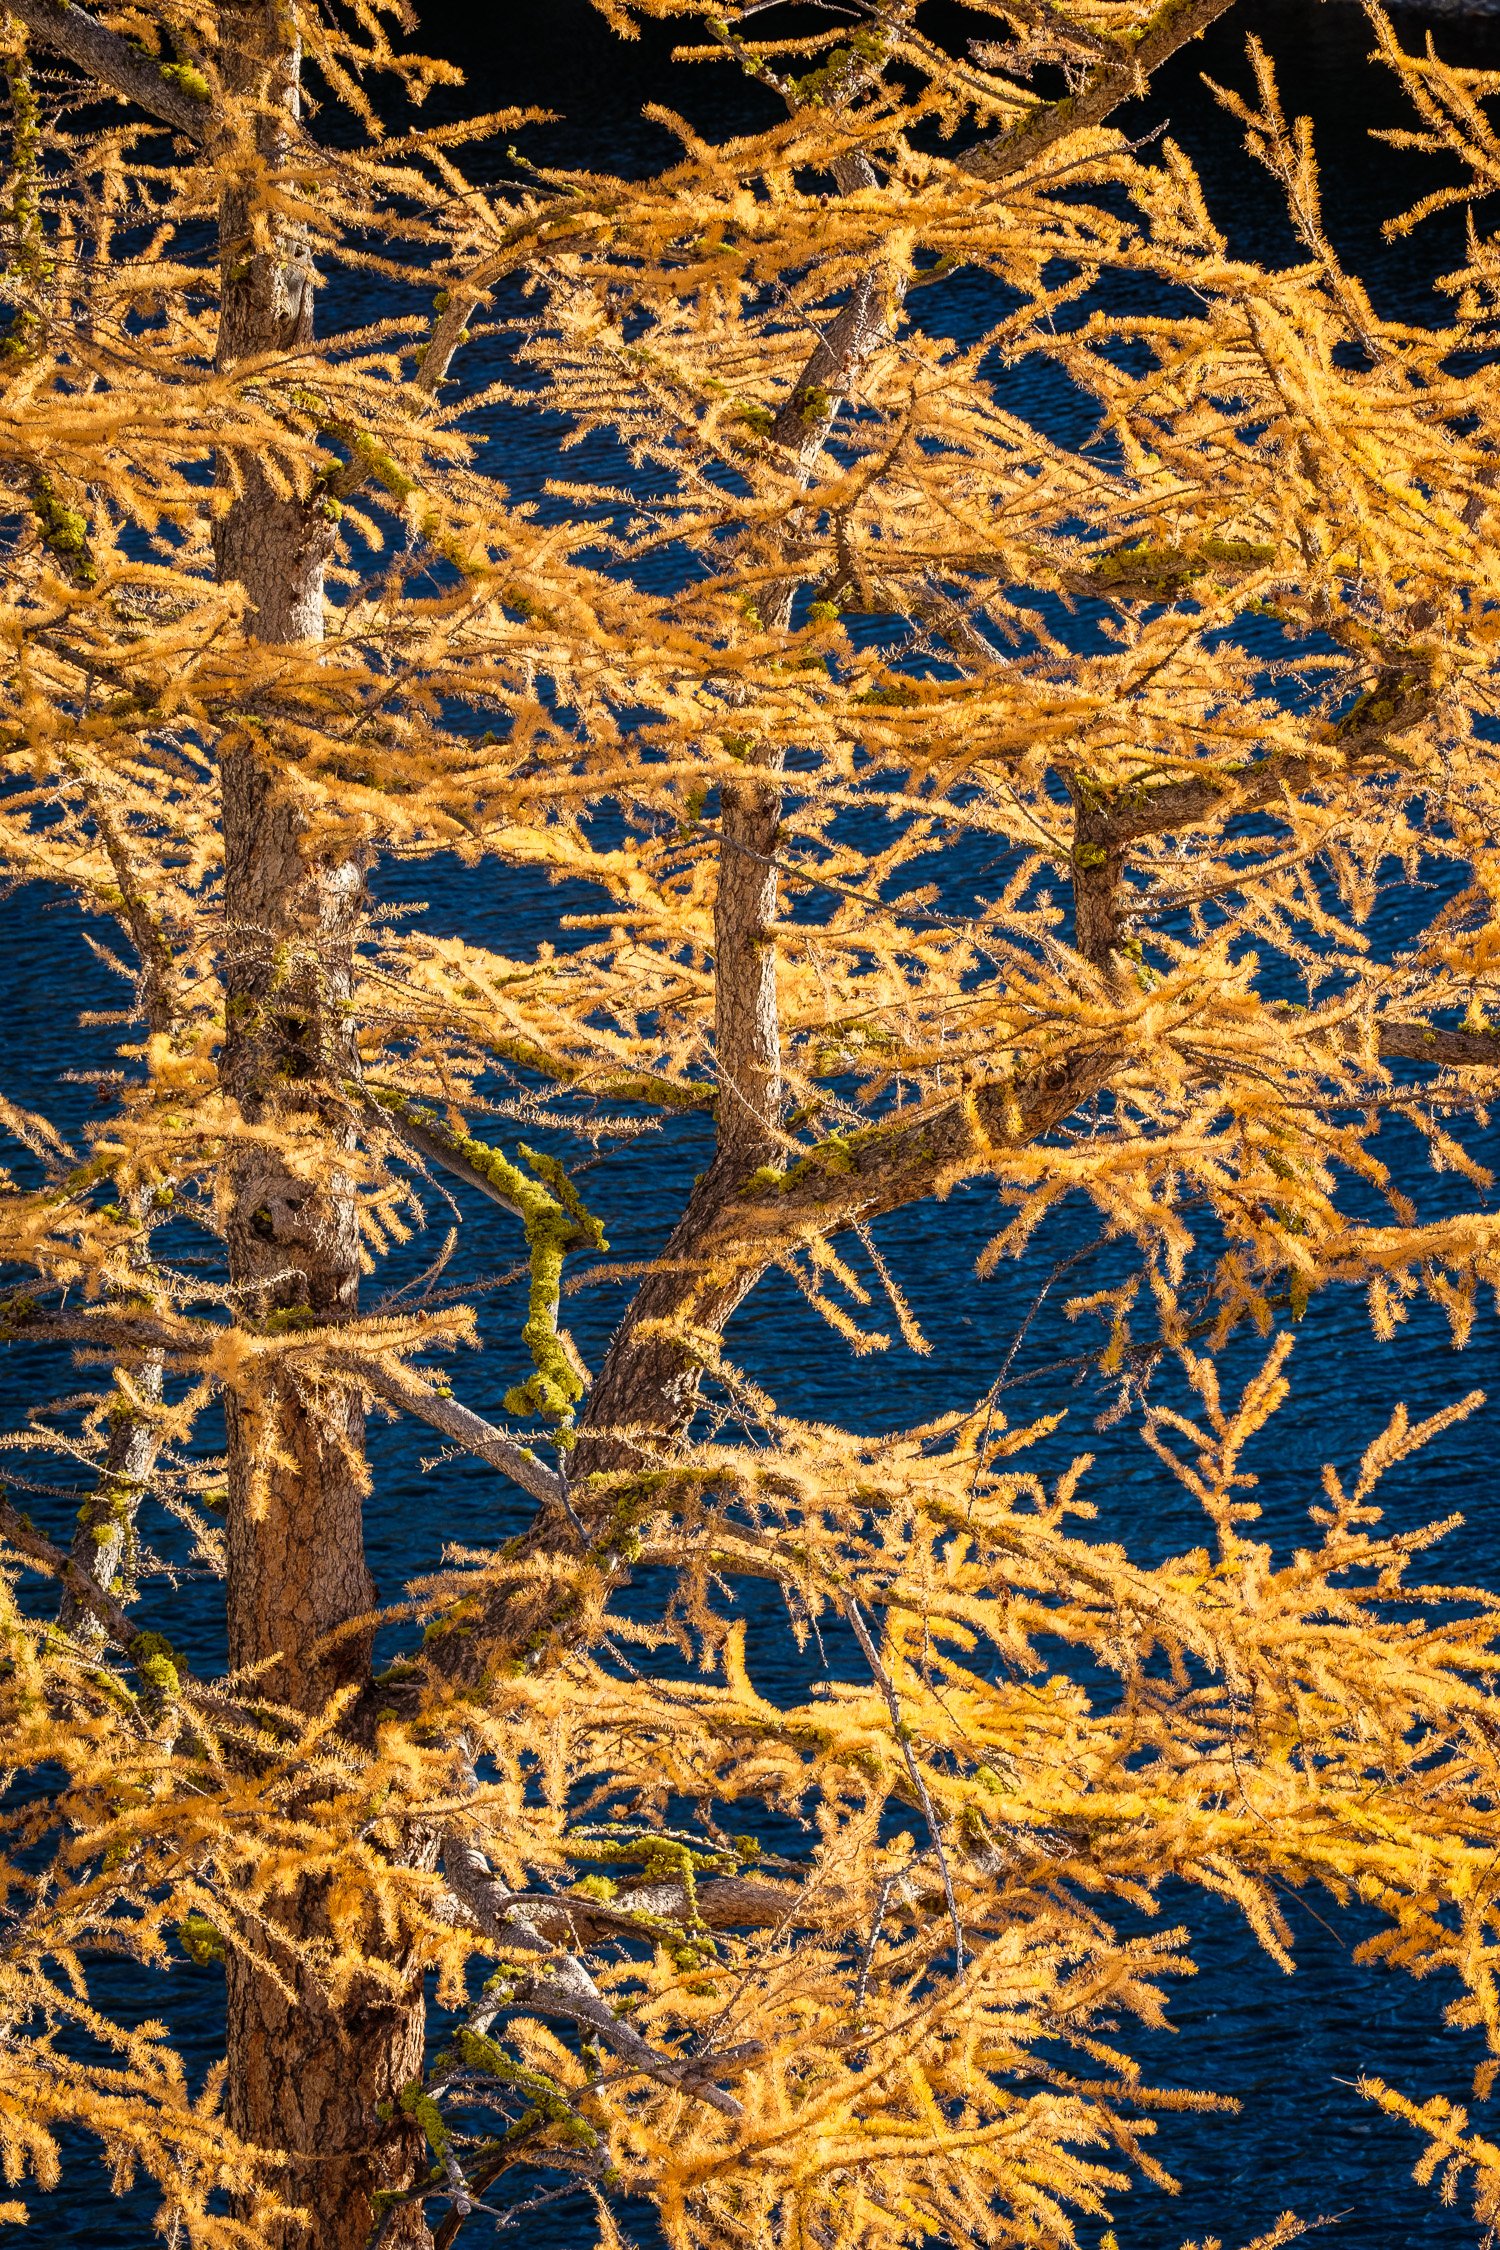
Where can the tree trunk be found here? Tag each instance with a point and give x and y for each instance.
(296, 1463)
(648, 1385)
(304, 2080)
(104, 1540)
(306, 2083)
(747, 1028)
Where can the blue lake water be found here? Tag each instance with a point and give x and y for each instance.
(1287, 2047)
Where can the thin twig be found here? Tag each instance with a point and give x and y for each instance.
(1063, 1265)
(887, 1688)
(866, 1963)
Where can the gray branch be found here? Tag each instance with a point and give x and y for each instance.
(44, 1555)
(115, 65)
(563, 1987)
(729, 1902)
(459, 1424)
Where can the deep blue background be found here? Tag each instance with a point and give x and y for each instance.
(1287, 2048)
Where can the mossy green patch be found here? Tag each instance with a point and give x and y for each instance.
(555, 1220)
(1156, 571)
(186, 79)
(200, 1940)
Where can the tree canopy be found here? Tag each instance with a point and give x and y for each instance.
(1110, 817)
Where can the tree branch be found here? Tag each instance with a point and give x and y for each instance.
(1420, 1042)
(563, 1987)
(111, 1333)
(729, 1902)
(58, 1563)
(115, 65)
(1125, 75)
(733, 1229)
(428, 1137)
(459, 1424)
(906, 1158)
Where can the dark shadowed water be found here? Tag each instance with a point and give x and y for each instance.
(1288, 2048)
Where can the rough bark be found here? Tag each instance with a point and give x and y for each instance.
(309, 2079)
(276, 545)
(114, 63)
(747, 1030)
(1119, 74)
(649, 1381)
(296, 1470)
(55, 1562)
(304, 2079)
(104, 1537)
(1098, 867)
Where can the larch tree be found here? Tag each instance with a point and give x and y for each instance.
(1203, 695)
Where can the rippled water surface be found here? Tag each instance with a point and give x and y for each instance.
(1287, 2048)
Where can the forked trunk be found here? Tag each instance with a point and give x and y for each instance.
(304, 2079)
(648, 1385)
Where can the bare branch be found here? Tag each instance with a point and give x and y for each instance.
(565, 1988)
(729, 1902)
(401, 1389)
(1420, 1042)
